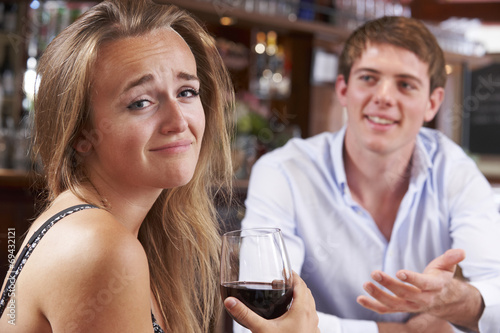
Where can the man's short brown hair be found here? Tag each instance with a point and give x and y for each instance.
(403, 32)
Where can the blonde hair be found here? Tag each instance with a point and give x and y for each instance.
(180, 233)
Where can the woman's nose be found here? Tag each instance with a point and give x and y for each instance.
(172, 118)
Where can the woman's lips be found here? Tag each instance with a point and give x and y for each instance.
(174, 147)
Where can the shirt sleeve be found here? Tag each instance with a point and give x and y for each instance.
(331, 324)
(269, 203)
(475, 227)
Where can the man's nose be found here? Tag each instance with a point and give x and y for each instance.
(385, 93)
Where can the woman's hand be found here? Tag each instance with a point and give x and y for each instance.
(300, 318)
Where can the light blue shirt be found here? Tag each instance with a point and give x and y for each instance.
(335, 244)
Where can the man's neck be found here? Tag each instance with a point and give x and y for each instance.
(378, 183)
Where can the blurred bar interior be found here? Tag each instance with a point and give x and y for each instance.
(282, 55)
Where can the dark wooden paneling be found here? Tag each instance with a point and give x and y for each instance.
(17, 209)
(435, 10)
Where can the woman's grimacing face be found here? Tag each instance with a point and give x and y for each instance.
(147, 116)
(387, 98)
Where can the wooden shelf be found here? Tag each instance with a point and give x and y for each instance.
(16, 179)
(214, 11)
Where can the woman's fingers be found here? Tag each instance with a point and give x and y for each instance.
(303, 303)
(243, 315)
(301, 317)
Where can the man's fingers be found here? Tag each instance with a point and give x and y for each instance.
(399, 288)
(385, 302)
(372, 304)
(452, 258)
(430, 279)
(447, 261)
(422, 282)
(412, 294)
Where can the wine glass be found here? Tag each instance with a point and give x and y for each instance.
(255, 269)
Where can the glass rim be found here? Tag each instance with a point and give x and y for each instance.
(258, 232)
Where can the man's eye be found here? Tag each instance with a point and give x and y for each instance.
(406, 85)
(141, 104)
(366, 78)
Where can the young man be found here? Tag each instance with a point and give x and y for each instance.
(387, 199)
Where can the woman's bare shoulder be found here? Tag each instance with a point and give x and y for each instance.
(90, 242)
(92, 263)
(88, 233)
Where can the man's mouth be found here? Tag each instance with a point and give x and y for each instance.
(381, 121)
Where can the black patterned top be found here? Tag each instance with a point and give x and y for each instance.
(15, 269)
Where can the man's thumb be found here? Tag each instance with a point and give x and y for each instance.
(452, 257)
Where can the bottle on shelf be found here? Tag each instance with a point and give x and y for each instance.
(20, 144)
(4, 154)
(2, 11)
(270, 78)
(7, 72)
(1, 125)
(10, 17)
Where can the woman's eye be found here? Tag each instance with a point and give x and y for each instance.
(138, 105)
(189, 93)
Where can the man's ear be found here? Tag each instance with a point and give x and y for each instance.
(435, 100)
(341, 89)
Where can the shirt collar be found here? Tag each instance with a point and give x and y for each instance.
(337, 152)
(421, 159)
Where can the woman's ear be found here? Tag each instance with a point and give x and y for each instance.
(82, 146)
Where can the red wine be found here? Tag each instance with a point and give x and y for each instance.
(260, 297)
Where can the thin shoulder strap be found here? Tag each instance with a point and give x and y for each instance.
(30, 246)
(49, 223)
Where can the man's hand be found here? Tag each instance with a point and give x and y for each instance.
(434, 291)
(420, 323)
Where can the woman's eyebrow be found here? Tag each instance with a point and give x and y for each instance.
(149, 77)
(142, 80)
(187, 76)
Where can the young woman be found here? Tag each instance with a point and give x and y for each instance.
(131, 128)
